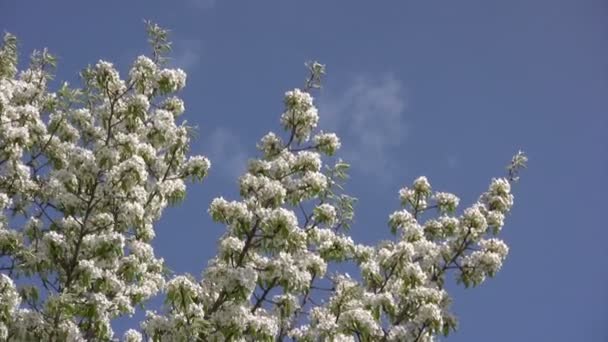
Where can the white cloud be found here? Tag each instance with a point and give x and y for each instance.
(369, 115)
(226, 153)
(187, 54)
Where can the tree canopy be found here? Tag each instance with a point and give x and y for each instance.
(85, 172)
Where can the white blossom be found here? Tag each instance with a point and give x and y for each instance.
(132, 336)
(422, 186)
(446, 202)
(300, 114)
(325, 213)
(327, 143)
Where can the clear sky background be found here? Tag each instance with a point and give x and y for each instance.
(446, 89)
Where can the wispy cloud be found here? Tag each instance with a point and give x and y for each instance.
(226, 152)
(369, 114)
(187, 54)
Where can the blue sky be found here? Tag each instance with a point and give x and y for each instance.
(446, 89)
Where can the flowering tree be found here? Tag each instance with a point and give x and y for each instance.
(86, 172)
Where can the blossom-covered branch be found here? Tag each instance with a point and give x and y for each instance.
(288, 228)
